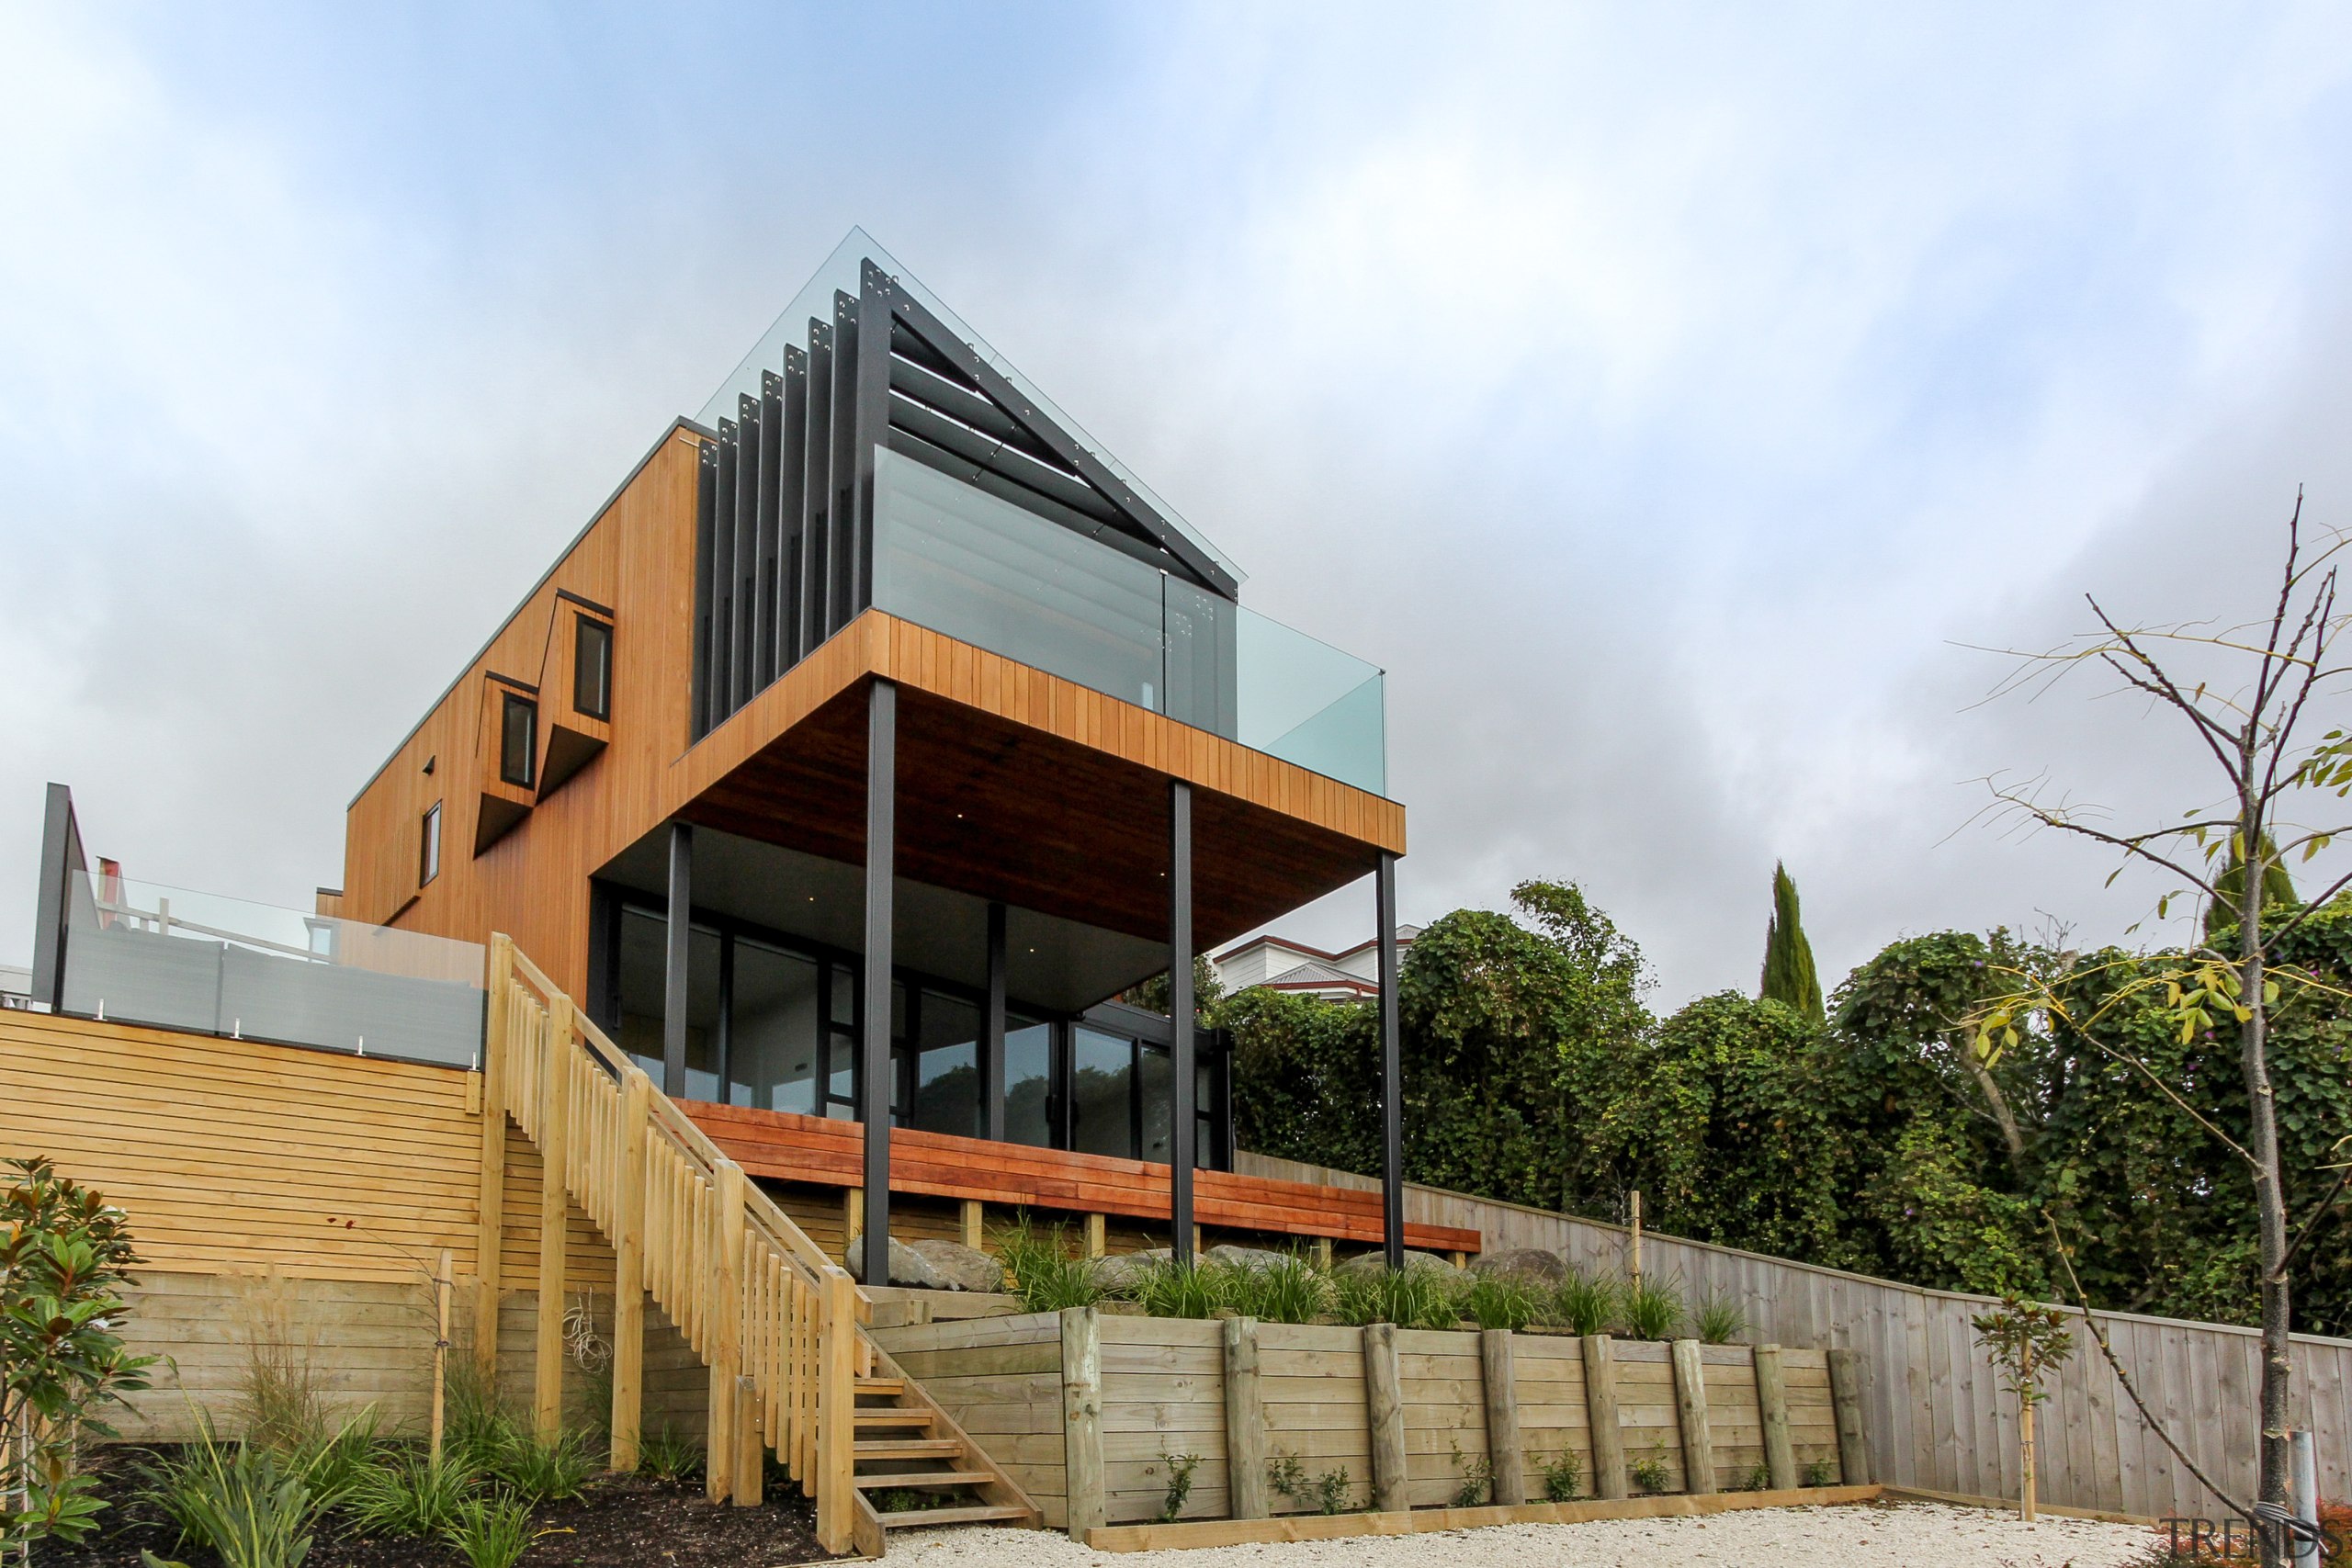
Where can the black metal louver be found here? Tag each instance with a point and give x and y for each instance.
(783, 527)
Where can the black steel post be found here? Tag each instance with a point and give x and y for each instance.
(677, 951)
(992, 1032)
(1182, 1111)
(1392, 1086)
(875, 1077)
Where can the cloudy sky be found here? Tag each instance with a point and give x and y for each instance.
(1664, 396)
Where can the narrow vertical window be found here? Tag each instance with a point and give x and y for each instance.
(518, 740)
(592, 667)
(428, 855)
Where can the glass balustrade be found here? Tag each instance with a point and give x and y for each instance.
(140, 953)
(980, 569)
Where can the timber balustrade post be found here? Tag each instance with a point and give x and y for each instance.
(1083, 1418)
(1845, 1402)
(1245, 1420)
(1691, 1412)
(1600, 1411)
(490, 1210)
(1772, 1407)
(726, 1333)
(836, 1410)
(547, 1360)
(1383, 1403)
(750, 1448)
(1498, 1375)
(629, 1274)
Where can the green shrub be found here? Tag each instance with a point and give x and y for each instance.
(1409, 1297)
(1651, 1309)
(1759, 1478)
(1332, 1489)
(248, 1505)
(1179, 1484)
(1585, 1303)
(1562, 1477)
(1170, 1287)
(1287, 1475)
(1327, 1494)
(408, 1495)
(1649, 1470)
(544, 1471)
(64, 1252)
(1291, 1290)
(1499, 1301)
(491, 1532)
(1044, 1274)
(1718, 1320)
(1820, 1472)
(1476, 1479)
(667, 1454)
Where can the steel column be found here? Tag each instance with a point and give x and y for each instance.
(875, 1076)
(1184, 1112)
(677, 948)
(1392, 1087)
(992, 1032)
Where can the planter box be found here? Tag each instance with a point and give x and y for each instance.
(1085, 1409)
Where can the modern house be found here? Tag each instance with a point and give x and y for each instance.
(1350, 975)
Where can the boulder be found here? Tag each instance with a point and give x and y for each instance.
(1374, 1262)
(1234, 1257)
(1123, 1269)
(1532, 1264)
(963, 1268)
(907, 1267)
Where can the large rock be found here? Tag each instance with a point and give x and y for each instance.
(1234, 1257)
(1532, 1264)
(1374, 1262)
(907, 1267)
(1123, 1269)
(963, 1268)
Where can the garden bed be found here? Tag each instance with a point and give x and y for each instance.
(617, 1521)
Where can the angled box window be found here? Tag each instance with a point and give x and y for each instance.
(592, 667)
(518, 739)
(428, 857)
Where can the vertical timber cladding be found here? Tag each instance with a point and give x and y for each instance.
(784, 551)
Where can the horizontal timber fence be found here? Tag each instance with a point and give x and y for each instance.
(1105, 1418)
(1933, 1411)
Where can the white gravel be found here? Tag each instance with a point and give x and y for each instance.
(1883, 1536)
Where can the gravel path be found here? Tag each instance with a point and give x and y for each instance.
(1882, 1536)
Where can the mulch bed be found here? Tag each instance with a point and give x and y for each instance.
(620, 1521)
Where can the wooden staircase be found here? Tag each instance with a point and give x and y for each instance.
(781, 1326)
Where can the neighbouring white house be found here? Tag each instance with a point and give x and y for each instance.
(1350, 975)
(16, 986)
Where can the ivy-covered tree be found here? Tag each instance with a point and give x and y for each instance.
(1788, 974)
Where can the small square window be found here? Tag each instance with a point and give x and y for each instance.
(518, 740)
(429, 861)
(592, 667)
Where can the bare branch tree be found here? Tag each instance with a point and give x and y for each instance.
(2253, 733)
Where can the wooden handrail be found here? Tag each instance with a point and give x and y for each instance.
(777, 1320)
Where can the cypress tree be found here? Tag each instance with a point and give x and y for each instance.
(2278, 888)
(1789, 976)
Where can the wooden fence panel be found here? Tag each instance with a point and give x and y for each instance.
(1310, 1380)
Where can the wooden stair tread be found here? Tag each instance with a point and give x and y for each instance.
(907, 1448)
(922, 1478)
(896, 1416)
(887, 1386)
(918, 1519)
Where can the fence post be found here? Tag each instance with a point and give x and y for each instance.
(629, 1274)
(547, 1360)
(1690, 1411)
(1846, 1402)
(1245, 1424)
(1600, 1409)
(836, 1410)
(1083, 1418)
(725, 1332)
(1384, 1412)
(490, 1211)
(1772, 1406)
(1498, 1375)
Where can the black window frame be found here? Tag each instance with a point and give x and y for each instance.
(428, 848)
(585, 628)
(510, 704)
